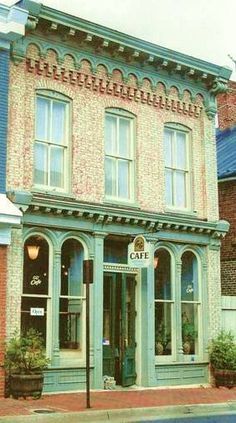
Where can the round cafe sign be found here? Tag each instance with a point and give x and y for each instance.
(139, 252)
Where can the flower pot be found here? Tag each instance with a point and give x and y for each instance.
(225, 378)
(26, 385)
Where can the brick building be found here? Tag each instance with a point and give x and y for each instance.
(115, 141)
(12, 27)
(226, 155)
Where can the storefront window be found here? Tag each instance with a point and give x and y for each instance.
(115, 250)
(189, 303)
(163, 303)
(35, 296)
(71, 296)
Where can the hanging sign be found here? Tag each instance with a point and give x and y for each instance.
(139, 252)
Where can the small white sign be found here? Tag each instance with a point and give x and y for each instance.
(36, 311)
(139, 253)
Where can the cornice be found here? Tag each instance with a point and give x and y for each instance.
(83, 40)
(140, 46)
(104, 215)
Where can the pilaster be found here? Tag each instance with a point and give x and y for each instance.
(97, 309)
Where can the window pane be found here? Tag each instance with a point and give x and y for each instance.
(110, 135)
(124, 138)
(70, 323)
(29, 320)
(110, 176)
(42, 118)
(58, 122)
(35, 277)
(71, 309)
(168, 147)
(163, 329)
(180, 150)
(72, 256)
(190, 328)
(40, 164)
(180, 190)
(169, 187)
(189, 277)
(163, 275)
(57, 167)
(123, 179)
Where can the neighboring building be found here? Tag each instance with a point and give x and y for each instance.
(112, 137)
(12, 24)
(226, 153)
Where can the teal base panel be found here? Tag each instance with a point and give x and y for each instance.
(182, 374)
(63, 380)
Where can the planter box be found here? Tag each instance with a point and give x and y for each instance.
(26, 385)
(225, 378)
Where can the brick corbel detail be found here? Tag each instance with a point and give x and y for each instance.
(110, 87)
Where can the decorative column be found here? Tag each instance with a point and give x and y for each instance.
(148, 324)
(178, 318)
(55, 306)
(97, 309)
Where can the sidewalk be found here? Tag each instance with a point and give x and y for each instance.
(118, 403)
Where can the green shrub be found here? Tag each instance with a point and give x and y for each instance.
(25, 354)
(222, 351)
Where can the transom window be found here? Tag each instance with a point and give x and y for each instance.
(176, 143)
(119, 161)
(51, 142)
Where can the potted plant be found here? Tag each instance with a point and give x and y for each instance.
(189, 334)
(222, 355)
(163, 339)
(25, 361)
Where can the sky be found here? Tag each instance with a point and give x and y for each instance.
(205, 29)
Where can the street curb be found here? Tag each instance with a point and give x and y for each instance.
(127, 414)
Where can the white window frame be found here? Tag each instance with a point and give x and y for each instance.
(176, 310)
(177, 128)
(122, 114)
(52, 97)
(197, 356)
(172, 301)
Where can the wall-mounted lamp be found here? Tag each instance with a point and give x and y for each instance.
(33, 251)
(155, 262)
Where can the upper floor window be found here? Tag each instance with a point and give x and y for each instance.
(119, 156)
(177, 171)
(51, 142)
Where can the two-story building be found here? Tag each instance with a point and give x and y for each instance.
(12, 26)
(111, 137)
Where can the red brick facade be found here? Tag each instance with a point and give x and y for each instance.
(227, 197)
(227, 201)
(227, 107)
(3, 266)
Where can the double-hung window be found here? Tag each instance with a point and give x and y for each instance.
(51, 142)
(119, 156)
(177, 168)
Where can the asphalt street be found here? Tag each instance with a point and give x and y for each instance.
(197, 419)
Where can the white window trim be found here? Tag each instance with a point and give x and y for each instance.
(56, 96)
(176, 302)
(120, 113)
(188, 195)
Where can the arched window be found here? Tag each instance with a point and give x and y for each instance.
(35, 295)
(177, 166)
(71, 295)
(119, 155)
(163, 303)
(51, 141)
(190, 302)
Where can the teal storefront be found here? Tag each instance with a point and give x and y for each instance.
(148, 326)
